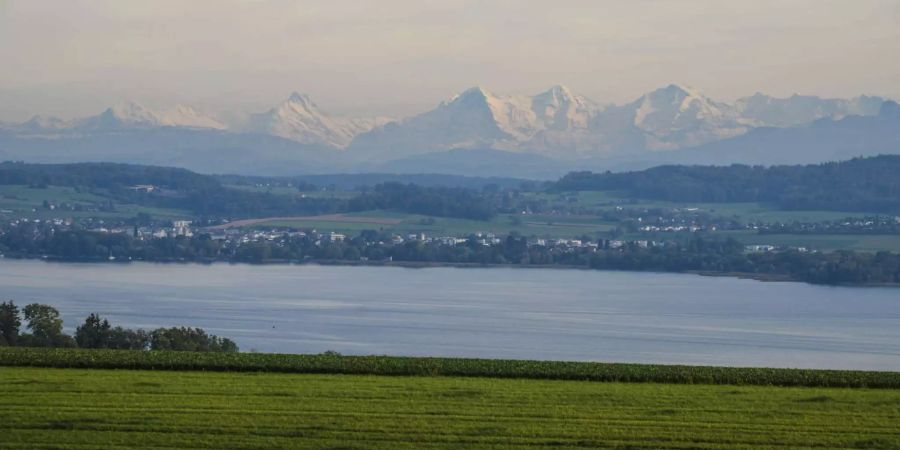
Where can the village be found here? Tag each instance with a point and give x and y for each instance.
(236, 237)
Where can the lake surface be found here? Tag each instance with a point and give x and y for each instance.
(493, 313)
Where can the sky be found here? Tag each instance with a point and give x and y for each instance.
(399, 57)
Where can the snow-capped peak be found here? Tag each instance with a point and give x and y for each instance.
(131, 113)
(763, 110)
(44, 123)
(558, 108)
(473, 94)
(299, 119)
(186, 116)
(124, 114)
(302, 99)
(676, 115)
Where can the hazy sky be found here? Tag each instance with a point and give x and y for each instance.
(396, 57)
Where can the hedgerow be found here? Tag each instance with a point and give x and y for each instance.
(415, 366)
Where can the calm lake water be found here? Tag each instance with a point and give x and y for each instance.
(491, 313)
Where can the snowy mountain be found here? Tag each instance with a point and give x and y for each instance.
(299, 119)
(478, 118)
(41, 124)
(764, 110)
(823, 140)
(186, 116)
(475, 118)
(123, 115)
(559, 123)
(668, 118)
(474, 131)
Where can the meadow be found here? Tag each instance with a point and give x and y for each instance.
(93, 408)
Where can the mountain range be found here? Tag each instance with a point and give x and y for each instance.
(555, 130)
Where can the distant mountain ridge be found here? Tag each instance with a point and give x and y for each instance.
(475, 131)
(562, 124)
(556, 122)
(123, 115)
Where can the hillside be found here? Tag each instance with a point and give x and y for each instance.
(862, 184)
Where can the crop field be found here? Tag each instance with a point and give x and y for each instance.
(92, 408)
(466, 367)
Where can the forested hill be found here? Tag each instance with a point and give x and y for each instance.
(206, 195)
(861, 184)
(102, 175)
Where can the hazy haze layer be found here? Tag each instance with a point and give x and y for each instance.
(398, 57)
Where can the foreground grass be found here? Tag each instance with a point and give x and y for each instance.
(465, 367)
(79, 408)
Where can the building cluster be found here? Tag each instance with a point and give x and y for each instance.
(236, 237)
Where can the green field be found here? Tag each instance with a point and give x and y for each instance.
(743, 211)
(27, 202)
(90, 408)
(823, 242)
(527, 225)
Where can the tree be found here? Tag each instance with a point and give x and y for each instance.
(126, 339)
(9, 323)
(46, 326)
(95, 333)
(189, 339)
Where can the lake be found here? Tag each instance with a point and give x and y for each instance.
(554, 314)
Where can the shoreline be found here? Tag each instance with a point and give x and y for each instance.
(762, 277)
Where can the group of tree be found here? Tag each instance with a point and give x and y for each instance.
(861, 184)
(45, 329)
(696, 253)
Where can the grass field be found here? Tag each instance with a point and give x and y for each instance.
(823, 242)
(820, 242)
(27, 202)
(744, 211)
(78, 408)
(530, 225)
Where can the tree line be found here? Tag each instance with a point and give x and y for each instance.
(697, 253)
(44, 328)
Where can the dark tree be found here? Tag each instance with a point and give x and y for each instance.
(126, 339)
(94, 333)
(9, 323)
(189, 339)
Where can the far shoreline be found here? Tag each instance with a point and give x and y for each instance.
(762, 277)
